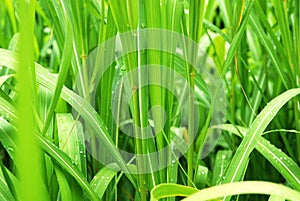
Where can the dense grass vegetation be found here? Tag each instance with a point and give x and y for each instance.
(149, 99)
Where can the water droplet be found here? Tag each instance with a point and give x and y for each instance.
(10, 149)
(123, 68)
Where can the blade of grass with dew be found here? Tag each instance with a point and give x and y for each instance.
(69, 136)
(102, 179)
(87, 112)
(60, 157)
(200, 178)
(65, 162)
(284, 164)
(238, 164)
(69, 133)
(245, 187)
(45, 78)
(222, 161)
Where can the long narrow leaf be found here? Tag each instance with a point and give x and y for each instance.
(238, 164)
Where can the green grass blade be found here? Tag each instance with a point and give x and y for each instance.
(170, 190)
(29, 154)
(239, 161)
(7, 110)
(8, 138)
(64, 187)
(269, 48)
(223, 159)
(101, 180)
(283, 21)
(246, 187)
(63, 71)
(45, 78)
(59, 156)
(200, 178)
(10, 184)
(212, 27)
(65, 162)
(69, 134)
(237, 39)
(284, 164)
(5, 194)
(4, 78)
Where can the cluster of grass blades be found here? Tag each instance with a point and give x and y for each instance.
(64, 131)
